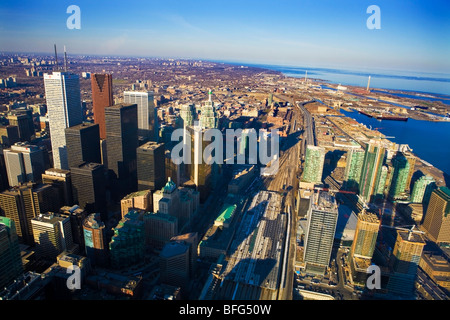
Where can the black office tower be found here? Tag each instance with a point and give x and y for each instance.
(83, 144)
(89, 187)
(121, 145)
(151, 166)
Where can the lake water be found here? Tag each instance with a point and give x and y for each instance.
(429, 140)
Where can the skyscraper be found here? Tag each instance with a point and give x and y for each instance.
(23, 119)
(422, 189)
(24, 163)
(89, 187)
(208, 115)
(61, 181)
(400, 176)
(102, 97)
(23, 203)
(352, 175)
(122, 142)
(159, 229)
(62, 92)
(322, 220)
(188, 114)
(151, 166)
(314, 160)
(174, 264)
(83, 144)
(371, 171)
(363, 245)
(10, 258)
(404, 262)
(52, 234)
(437, 218)
(147, 120)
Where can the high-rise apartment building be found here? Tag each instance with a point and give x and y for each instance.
(52, 234)
(89, 187)
(437, 218)
(122, 142)
(10, 258)
(363, 245)
(404, 262)
(400, 176)
(372, 169)
(422, 189)
(62, 92)
(95, 240)
(24, 163)
(83, 144)
(151, 166)
(102, 97)
(314, 160)
(353, 168)
(322, 220)
(23, 203)
(146, 113)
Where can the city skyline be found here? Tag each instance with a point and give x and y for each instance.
(412, 36)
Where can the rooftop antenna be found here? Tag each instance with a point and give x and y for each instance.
(65, 59)
(368, 84)
(56, 59)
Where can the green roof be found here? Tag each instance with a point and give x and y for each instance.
(227, 212)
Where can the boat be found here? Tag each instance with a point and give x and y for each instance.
(388, 117)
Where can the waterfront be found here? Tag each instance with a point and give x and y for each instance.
(429, 140)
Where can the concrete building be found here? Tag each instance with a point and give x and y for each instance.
(422, 189)
(322, 220)
(159, 229)
(151, 171)
(127, 245)
(121, 145)
(95, 240)
(89, 187)
(24, 163)
(353, 169)
(102, 97)
(62, 92)
(22, 203)
(363, 245)
(83, 144)
(314, 160)
(372, 169)
(174, 264)
(436, 223)
(61, 181)
(10, 258)
(52, 234)
(399, 182)
(147, 120)
(139, 200)
(404, 262)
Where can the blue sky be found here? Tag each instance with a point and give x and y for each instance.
(414, 35)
